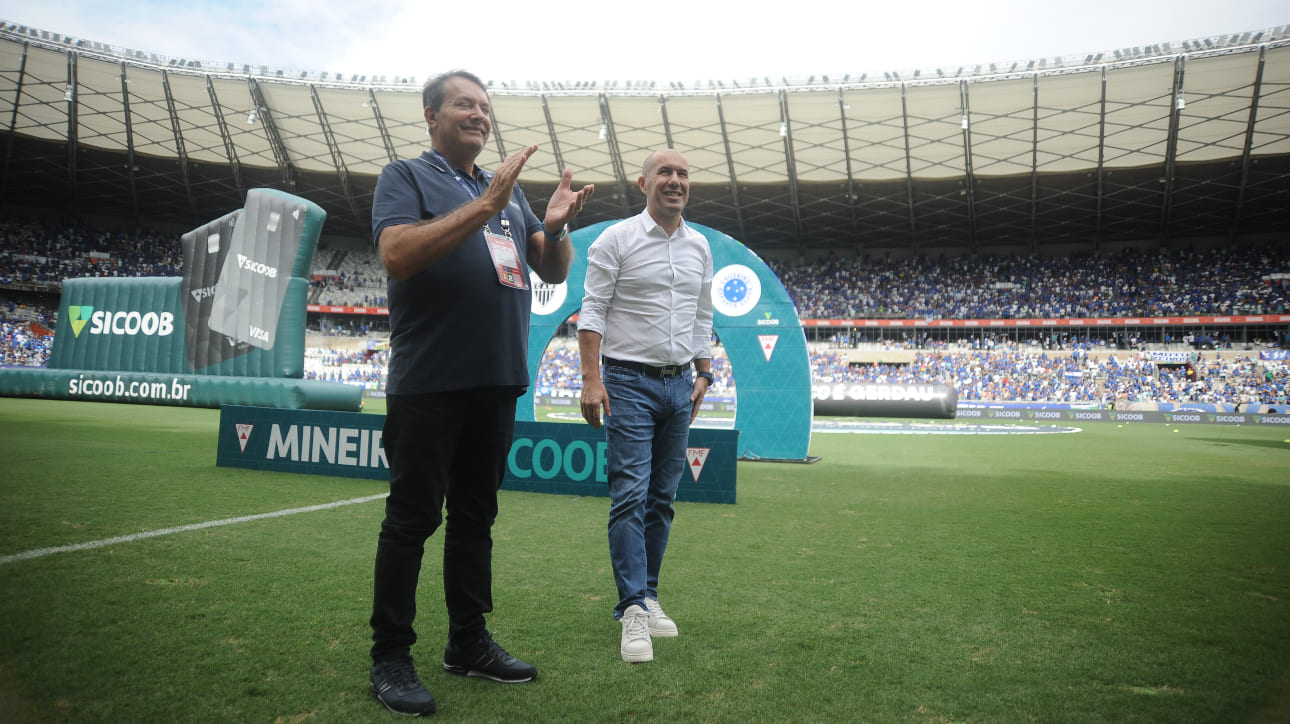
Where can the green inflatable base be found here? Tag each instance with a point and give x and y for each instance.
(149, 388)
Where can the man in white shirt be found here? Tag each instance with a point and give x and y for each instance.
(648, 311)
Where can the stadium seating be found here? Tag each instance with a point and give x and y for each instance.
(1085, 369)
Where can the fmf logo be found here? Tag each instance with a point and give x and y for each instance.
(696, 458)
(150, 324)
(243, 434)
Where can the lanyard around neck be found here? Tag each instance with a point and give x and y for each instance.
(471, 188)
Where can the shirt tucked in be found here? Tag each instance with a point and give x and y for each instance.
(649, 295)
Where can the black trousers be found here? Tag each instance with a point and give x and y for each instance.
(449, 446)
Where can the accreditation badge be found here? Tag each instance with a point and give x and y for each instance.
(506, 260)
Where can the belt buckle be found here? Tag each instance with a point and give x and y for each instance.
(669, 370)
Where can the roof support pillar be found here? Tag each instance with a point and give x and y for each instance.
(129, 144)
(970, 177)
(13, 121)
(1249, 142)
(1101, 164)
(615, 155)
(730, 167)
(180, 149)
(73, 125)
(1171, 150)
(229, 149)
(909, 172)
(790, 161)
(265, 116)
(337, 159)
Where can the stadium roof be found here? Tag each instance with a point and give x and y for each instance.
(1173, 141)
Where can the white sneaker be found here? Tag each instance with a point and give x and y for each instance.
(659, 623)
(636, 646)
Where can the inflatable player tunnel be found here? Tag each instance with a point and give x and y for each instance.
(231, 330)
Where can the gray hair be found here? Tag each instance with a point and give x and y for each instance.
(432, 94)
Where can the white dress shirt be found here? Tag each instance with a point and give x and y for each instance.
(649, 295)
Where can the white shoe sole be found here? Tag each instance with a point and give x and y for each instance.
(637, 658)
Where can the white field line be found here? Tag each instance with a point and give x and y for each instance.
(41, 552)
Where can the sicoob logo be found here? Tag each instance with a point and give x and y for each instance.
(79, 317)
(123, 323)
(257, 267)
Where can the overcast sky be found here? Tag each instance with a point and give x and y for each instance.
(681, 41)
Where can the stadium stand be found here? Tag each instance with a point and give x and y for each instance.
(1131, 283)
(26, 334)
(356, 279)
(1042, 366)
(39, 255)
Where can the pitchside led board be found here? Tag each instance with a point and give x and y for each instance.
(756, 322)
(546, 457)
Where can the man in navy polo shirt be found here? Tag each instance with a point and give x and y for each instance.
(457, 243)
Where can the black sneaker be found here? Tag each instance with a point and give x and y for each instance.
(488, 660)
(395, 684)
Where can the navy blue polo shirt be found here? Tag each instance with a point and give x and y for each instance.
(454, 325)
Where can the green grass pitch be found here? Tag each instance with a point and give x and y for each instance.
(1119, 574)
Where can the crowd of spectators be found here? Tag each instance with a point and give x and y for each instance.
(348, 292)
(358, 280)
(365, 368)
(1107, 380)
(1129, 283)
(1246, 279)
(1001, 370)
(349, 325)
(26, 335)
(46, 253)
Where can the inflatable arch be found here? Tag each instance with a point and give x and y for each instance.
(758, 326)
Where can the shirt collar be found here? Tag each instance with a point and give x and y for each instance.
(440, 164)
(650, 224)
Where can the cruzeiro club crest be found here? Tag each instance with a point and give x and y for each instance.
(78, 316)
(548, 297)
(735, 290)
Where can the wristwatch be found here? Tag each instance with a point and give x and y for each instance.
(705, 375)
(561, 236)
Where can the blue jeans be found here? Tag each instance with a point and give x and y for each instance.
(647, 431)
